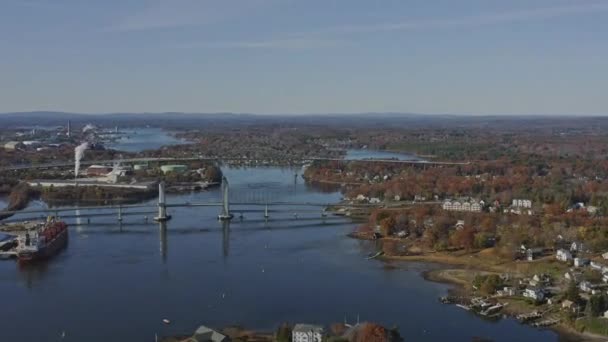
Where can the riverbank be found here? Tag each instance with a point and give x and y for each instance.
(462, 279)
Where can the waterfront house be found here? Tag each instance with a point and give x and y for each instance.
(533, 253)
(534, 293)
(569, 305)
(580, 262)
(206, 334)
(563, 255)
(307, 333)
(598, 266)
(506, 291)
(586, 286)
(605, 255)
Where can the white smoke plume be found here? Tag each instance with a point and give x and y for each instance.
(78, 154)
(89, 127)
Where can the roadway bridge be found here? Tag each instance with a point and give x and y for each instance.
(225, 206)
(216, 159)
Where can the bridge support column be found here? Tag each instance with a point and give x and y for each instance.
(162, 205)
(225, 215)
(120, 213)
(266, 215)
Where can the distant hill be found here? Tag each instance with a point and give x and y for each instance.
(223, 120)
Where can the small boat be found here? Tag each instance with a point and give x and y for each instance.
(166, 321)
(462, 306)
(375, 255)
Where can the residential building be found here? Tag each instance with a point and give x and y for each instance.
(563, 255)
(205, 334)
(580, 262)
(534, 293)
(577, 246)
(569, 305)
(586, 286)
(521, 203)
(463, 205)
(533, 253)
(307, 333)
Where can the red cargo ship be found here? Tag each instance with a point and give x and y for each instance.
(43, 242)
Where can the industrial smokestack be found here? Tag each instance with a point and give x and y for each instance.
(69, 133)
(78, 154)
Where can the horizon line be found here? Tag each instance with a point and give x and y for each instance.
(395, 113)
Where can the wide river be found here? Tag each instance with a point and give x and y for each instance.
(117, 282)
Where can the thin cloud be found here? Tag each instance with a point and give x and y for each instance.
(288, 43)
(472, 21)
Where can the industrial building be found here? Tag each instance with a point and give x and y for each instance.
(174, 168)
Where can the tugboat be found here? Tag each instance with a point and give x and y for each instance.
(43, 242)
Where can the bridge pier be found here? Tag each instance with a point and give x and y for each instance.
(225, 215)
(162, 205)
(119, 213)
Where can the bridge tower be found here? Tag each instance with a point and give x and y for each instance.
(225, 215)
(162, 205)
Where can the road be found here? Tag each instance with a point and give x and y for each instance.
(214, 159)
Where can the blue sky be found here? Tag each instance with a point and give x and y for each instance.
(306, 56)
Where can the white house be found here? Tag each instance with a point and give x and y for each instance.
(470, 206)
(476, 207)
(521, 203)
(374, 200)
(534, 293)
(586, 286)
(205, 334)
(307, 333)
(563, 255)
(577, 246)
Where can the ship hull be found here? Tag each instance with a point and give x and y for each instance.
(50, 249)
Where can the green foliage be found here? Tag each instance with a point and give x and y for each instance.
(336, 339)
(572, 293)
(284, 333)
(487, 284)
(596, 305)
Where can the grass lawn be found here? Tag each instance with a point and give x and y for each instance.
(594, 325)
